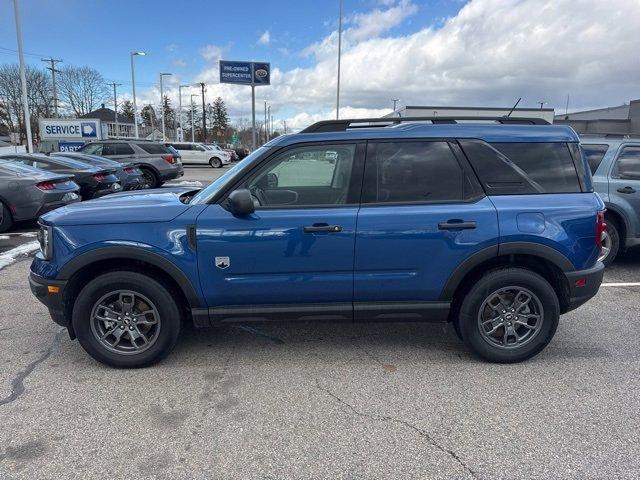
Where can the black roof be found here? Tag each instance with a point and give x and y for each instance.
(106, 115)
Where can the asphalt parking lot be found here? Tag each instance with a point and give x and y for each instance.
(360, 401)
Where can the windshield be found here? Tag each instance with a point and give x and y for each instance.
(206, 194)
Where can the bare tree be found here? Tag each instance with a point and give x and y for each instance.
(82, 88)
(39, 95)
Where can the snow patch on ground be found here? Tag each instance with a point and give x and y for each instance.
(10, 256)
(187, 183)
(4, 237)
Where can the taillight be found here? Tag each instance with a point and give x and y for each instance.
(128, 170)
(99, 177)
(46, 186)
(601, 227)
(169, 159)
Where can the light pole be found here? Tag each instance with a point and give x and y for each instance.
(133, 86)
(180, 138)
(164, 137)
(23, 77)
(115, 106)
(193, 128)
(395, 101)
(339, 54)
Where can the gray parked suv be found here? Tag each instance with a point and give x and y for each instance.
(156, 162)
(615, 165)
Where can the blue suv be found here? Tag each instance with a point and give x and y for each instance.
(492, 226)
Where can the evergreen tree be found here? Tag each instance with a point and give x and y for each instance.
(126, 109)
(169, 112)
(149, 116)
(220, 120)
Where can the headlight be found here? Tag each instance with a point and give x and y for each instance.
(45, 240)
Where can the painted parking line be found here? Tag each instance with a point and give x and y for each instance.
(621, 284)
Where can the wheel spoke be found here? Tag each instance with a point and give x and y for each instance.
(519, 302)
(108, 332)
(127, 299)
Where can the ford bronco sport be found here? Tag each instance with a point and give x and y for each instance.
(493, 226)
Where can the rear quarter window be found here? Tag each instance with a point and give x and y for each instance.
(594, 155)
(153, 148)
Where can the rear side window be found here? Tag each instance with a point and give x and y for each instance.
(123, 149)
(594, 155)
(414, 172)
(628, 164)
(523, 168)
(153, 148)
(92, 149)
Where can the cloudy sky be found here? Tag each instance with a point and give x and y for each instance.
(436, 52)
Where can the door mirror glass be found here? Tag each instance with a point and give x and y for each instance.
(241, 202)
(272, 180)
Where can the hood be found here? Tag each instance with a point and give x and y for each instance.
(139, 207)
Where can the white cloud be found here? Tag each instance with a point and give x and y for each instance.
(212, 53)
(265, 38)
(489, 54)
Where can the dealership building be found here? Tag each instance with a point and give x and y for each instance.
(623, 119)
(440, 111)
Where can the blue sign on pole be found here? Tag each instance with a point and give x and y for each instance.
(245, 73)
(69, 146)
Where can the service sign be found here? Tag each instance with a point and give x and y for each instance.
(245, 73)
(69, 146)
(65, 128)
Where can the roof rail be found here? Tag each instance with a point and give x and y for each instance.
(610, 135)
(343, 125)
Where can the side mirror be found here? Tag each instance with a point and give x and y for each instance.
(241, 202)
(272, 180)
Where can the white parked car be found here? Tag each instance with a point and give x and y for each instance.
(199, 154)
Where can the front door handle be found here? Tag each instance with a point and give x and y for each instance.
(323, 228)
(457, 225)
(627, 190)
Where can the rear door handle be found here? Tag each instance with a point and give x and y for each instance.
(455, 225)
(323, 228)
(627, 190)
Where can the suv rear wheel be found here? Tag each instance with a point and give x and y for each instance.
(610, 242)
(149, 178)
(126, 319)
(509, 315)
(215, 162)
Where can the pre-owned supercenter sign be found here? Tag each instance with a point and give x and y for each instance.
(77, 129)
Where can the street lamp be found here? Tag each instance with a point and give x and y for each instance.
(193, 131)
(395, 101)
(23, 78)
(133, 85)
(181, 137)
(164, 137)
(339, 55)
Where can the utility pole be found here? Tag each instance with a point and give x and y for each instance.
(115, 106)
(339, 54)
(180, 137)
(566, 108)
(395, 101)
(265, 122)
(53, 62)
(23, 76)
(133, 86)
(193, 120)
(204, 116)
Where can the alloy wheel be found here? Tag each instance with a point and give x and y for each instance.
(510, 317)
(125, 322)
(606, 246)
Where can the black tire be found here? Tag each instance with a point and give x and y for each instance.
(157, 293)
(6, 220)
(150, 178)
(484, 288)
(613, 235)
(215, 162)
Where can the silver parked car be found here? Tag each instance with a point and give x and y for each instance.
(27, 192)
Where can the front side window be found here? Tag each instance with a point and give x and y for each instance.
(594, 155)
(306, 176)
(413, 172)
(628, 164)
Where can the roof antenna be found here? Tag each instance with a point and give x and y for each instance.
(514, 107)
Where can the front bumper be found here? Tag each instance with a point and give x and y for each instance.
(53, 300)
(583, 285)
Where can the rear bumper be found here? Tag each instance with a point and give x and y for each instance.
(47, 207)
(583, 285)
(172, 173)
(53, 301)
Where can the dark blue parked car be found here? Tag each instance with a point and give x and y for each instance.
(492, 226)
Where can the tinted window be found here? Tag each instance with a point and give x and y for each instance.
(123, 149)
(413, 172)
(153, 148)
(594, 155)
(628, 164)
(318, 175)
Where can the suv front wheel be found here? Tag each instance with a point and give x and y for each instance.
(126, 319)
(509, 315)
(215, 162)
